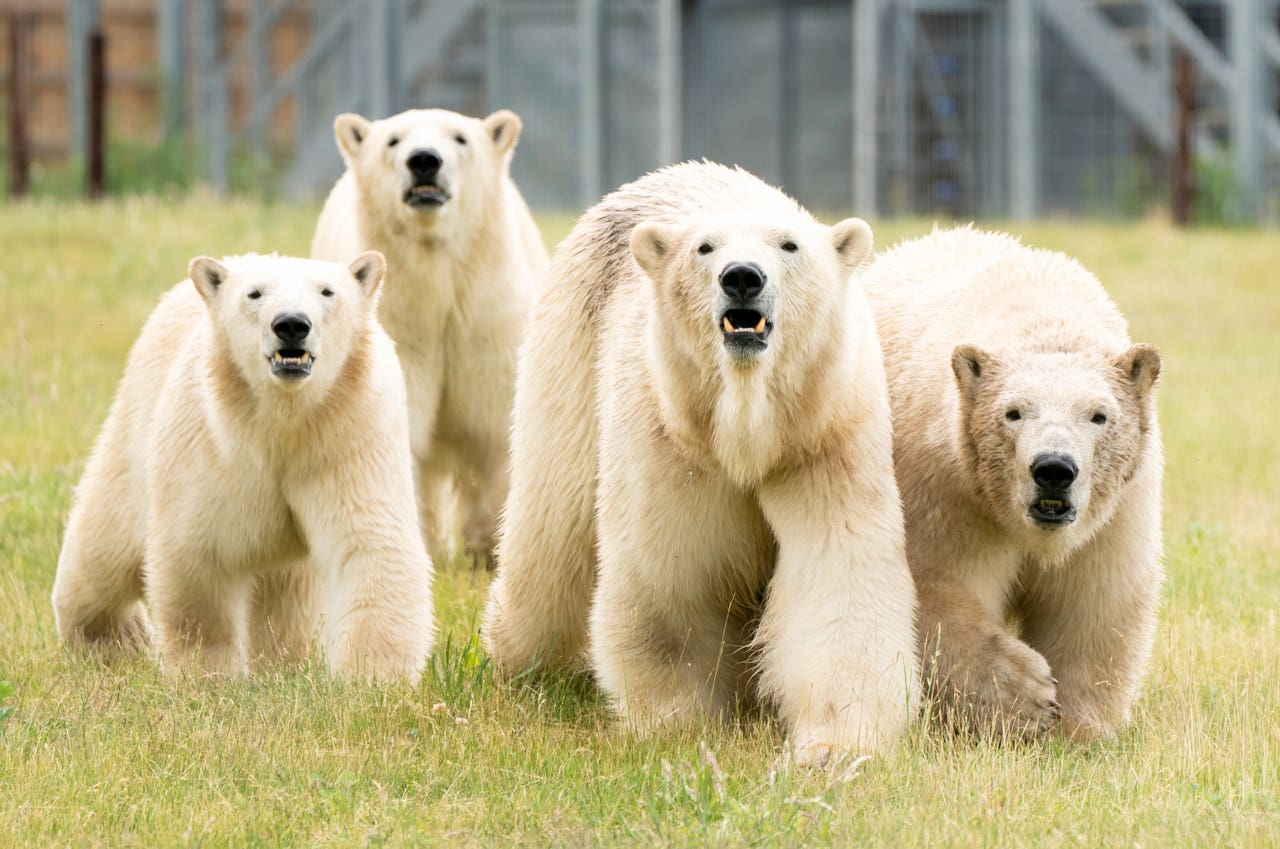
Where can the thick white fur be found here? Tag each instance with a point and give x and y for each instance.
(460, 288)
(749, 531)
(974, 325)
(241, 504)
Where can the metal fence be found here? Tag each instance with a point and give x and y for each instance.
(953, 107)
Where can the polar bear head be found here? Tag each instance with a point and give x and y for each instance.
(739, 288)
(744, 309)
(1052, 433)
(287, 324)
(427, 168)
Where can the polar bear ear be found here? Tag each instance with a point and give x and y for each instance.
(971, 365)
(503, 128)
(368, 269)
(1141, 366)
(651, 245)
(853, 242)
(208, 274)
(350, 130)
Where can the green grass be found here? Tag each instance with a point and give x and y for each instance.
(119, 756)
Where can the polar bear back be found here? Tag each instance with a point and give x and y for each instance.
(968, 286)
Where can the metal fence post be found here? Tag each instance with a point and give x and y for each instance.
(259, 70)
(170, 36)
(1024, 23)
(83, 17)
(866, 65)
(384, 54)
(669, 83)
(213, 92)
(589, 111)
(1244, 28)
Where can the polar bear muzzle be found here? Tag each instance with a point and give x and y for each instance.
(427, 191)
(745, 321)
(1053, 474)
(291, 360)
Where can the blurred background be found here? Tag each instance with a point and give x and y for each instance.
(951, 108)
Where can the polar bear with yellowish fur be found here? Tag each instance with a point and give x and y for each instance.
(701, 402)
(432, 190)
(1029, 458)
(253, 474)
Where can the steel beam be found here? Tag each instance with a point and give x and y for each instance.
(1023, 102)
(590, 117)
(83, 17)
(1245, 48)
(669, 82)
(866, 37)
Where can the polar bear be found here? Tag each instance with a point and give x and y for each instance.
(1029, 458)
(255, 461)
(431, 190)
(701, 396)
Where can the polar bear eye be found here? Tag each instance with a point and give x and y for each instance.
(255, 294)
(1099, 418)
(460, 139)
(704, 248)
(393, 141)
(327, 292)
(1013, 415)
(790, 246)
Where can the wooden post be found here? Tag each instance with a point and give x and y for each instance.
(19, 103)
(95, 155)
(1184, 89)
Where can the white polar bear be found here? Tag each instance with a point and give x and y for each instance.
(701, 401)
(431, 190)
(1029, 458)
(255, 460)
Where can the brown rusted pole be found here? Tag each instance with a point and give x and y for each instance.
(1184, 90)
(19, 104)
(96, 154)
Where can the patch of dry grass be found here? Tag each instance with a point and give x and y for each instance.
(94, 756)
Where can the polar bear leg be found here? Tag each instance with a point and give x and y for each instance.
(200, 613)
(284, 613)
(981, 677)
(366, 543)
(667, 642)
(538, 603)
(483, 489)
(837, 636)
(683, 556)
(1093, 617)
(97, 594)
(437, 501)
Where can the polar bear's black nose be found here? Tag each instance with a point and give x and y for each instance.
(1054, 472)
(742, 280)
(424, 164)
(291, 327)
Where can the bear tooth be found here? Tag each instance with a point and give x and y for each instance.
(760, 326)
(728, 325)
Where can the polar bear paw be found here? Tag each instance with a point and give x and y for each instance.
(1010, 692)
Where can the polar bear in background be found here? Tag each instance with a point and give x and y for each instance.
(1029, 459)
(432, 190)
(703, 375)
(255, 461)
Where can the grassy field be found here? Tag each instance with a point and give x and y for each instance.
(118, 756)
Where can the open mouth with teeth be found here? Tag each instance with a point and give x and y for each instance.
(291, 363)
(426, 196)
(1051, 512)
(745, 330)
